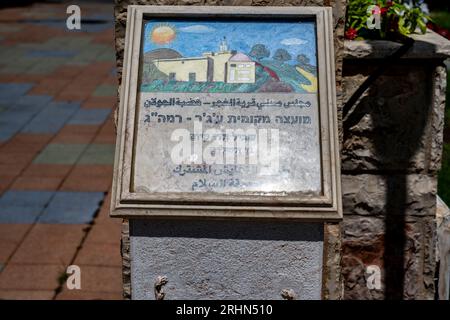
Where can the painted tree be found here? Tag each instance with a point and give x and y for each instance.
(282, 55)
(303, 59)
(259, 51)
(303, 62)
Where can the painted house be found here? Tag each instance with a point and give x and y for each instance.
(240, 69)
(223, 66)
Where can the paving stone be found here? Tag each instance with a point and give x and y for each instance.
(13, 69)
(87, 183)
(24, 142)
(98, 154)
(19, 214)
(36, 199)
(102, 68)
(56, 153)
(103, 214)
(107, 134)
(5, 180)
(33, 101)
(30, 277)
(13, 120)
(106, 56)
(8, 130)
(19, 113)
(14, 90)
(88, 170)
(52, 118)
(67, 72)
(51, 53)
(22, 206)
(17, 157)
(99, 254)
(100, 102)
(47, 170)
(72, 207)
(89, 116)
(6, 250)
(43, 68)
(72, 95)
(50, 85)
(7, 78)
(76, 134)
(67, 294)
(107, 232)
(37, 183)
(27, 78)
(13, 232)
(46, 67)
(101, 279)
(105, 90)
(50, 244)
(26, 294)
(7, 28)
(11, 170)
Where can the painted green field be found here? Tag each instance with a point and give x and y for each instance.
(290, 80)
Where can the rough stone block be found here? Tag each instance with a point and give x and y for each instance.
(368, 194)
(404, 253)
(396, 124)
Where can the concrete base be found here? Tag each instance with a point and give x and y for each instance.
(226, 259)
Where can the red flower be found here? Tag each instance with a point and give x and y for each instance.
(443, 32)
(351, 33)
(389, 4)
(384, 10)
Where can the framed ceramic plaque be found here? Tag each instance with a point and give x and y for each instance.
(228, 112)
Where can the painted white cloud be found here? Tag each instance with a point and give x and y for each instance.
(293, 41)
(197, 28)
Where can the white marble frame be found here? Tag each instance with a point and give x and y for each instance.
(327, 206)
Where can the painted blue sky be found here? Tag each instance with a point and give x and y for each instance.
(195, 37)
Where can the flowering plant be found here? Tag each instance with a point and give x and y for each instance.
(384, 19)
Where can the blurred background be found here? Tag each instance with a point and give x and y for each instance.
(58, 90)
(57, 93)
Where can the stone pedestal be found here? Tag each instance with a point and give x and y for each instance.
(226, 259)
(391, 154)
(232, 259)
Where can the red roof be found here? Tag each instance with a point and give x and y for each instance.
(240, 57)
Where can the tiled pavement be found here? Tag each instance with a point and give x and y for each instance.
(57, 93)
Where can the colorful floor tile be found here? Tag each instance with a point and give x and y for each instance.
(57, 153)
(58, 88)
(23, 206)
(52, 118)
(72, 207)
(98, 154)
(90, 116)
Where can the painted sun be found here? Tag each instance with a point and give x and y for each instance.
(163, 34)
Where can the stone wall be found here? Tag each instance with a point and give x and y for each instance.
(390, 158)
